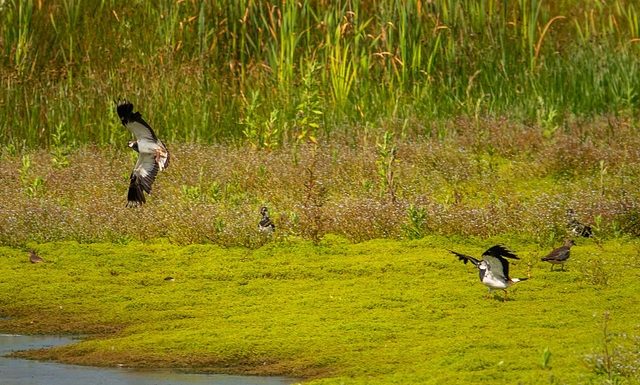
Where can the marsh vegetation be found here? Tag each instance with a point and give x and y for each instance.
(377, 133)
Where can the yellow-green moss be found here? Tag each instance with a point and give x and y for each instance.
(375, 312)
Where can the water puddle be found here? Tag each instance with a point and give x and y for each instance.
(22, 372)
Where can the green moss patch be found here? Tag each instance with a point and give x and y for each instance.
(376, 312)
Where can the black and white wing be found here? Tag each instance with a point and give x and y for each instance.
(495, 259)
(134, 122)
(142, 177)
(146, 139)
(465, 258)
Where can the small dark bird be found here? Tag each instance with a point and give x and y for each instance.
(560, 255)
(576, 228)
(493, 268)
(34, 258)
(266, 224)
(153, 155)
(169, 279)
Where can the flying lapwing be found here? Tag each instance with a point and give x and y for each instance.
(153, 155)
(576, 228)
(493, 268)
(560, 255)
(266, 224)
(34, 258)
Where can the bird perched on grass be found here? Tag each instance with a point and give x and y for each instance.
(266, 224)
(34, 258)
(153, 155)
(560, 255)
(576, 228)
(493, 268)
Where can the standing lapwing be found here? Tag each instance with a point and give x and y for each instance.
(494, 268)
(34, 258)
(266, 224)
(560, 255)
(153, 155)
(576, 228)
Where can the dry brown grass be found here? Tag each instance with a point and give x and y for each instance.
(480, 179)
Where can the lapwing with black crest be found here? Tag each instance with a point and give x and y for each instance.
(266, 224)
(577, 229)
(153, 155)
(493, 268)
(560, 255)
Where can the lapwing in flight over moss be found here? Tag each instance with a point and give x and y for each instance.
(34, 258)
(153, 155)
(266, 224)
(493, 268)
(576, 228)
(560, 255)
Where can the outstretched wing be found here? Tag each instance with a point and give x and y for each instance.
(142, 177)
(465, 258)
(134, 122)
(495, 259)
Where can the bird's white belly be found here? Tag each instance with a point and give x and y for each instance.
(147, 147)
(494, 282)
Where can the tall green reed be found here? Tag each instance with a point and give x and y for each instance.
(189, 66)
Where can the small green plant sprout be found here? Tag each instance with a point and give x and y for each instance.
(414, 229)
(597, 229)
(603, 172)
(617, 358)
(599, 272)
(270, 133)
(191, 192)
(308, 112)
(215, 193)
(546, 119)
(32, 187)
(313, 225)
(545, 358)
(24, 171)
(386, 151)
(259, 133)
(37, 188)
(251, 130)
(60, 148)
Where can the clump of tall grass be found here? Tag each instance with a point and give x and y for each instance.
(215, 71)
(617, 359)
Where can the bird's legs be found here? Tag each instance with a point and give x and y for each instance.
(505, 296)
(158, 155)
(488, 294)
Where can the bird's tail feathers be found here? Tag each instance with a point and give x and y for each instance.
(514, 280)
(135, 197)
(164, 162)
